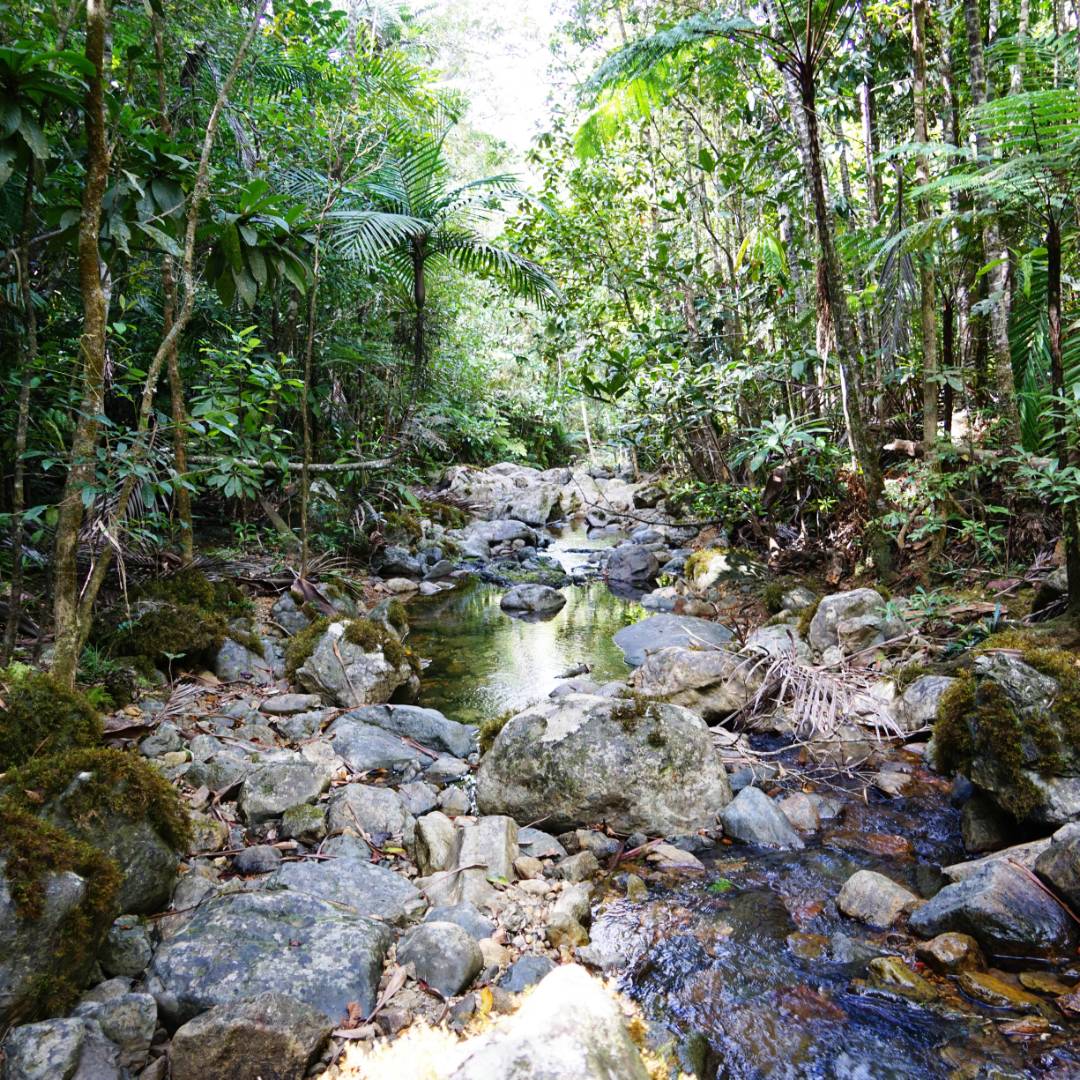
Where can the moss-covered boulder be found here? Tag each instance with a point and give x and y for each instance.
(352, 662)
(1012, 725)
(38, 716)
(58, 897)
(118, 804)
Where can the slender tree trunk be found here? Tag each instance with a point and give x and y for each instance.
(868, 109)
(420, 302)
(70, 632)
(181, 494)
(833, 296)
(72, 611)
(928, 323)
(27, 362)
(994, 250)
(1065, 439)
(948, 359)
(1016, 72)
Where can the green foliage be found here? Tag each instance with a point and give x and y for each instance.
(32, 851)
(39, 717)
(116, 783)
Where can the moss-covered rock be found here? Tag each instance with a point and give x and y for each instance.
(38, 716)
(195, 589)
(58, 896)
(1012, 724)
(117, 803)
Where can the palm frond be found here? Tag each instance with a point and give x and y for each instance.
(475, 255)
(366, 235)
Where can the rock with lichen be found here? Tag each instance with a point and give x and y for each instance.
(1012, 726)
(354, 662)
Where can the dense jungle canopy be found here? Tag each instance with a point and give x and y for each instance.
(267, 267)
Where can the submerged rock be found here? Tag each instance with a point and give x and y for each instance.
(661, 631)
(582, 759)
(535, 599)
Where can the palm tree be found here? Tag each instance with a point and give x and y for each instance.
(417, 185)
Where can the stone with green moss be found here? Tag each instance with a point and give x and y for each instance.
(117, 803)
(58, 897)
(38, 716)
(1012, 725)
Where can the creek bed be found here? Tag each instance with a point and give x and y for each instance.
(710, 956)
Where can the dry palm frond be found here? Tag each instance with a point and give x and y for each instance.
(821, 700)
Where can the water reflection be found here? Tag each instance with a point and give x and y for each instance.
(484, 662)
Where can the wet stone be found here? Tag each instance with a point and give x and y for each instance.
(951, 952)
(891, 973)
(997, 992)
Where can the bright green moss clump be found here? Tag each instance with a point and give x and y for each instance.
(302, 644)
(194, 588)
(364, 633)
(977, 720)
(33, 850)
(115, 783)
(38, 716)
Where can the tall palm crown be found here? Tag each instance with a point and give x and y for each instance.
(417, 185)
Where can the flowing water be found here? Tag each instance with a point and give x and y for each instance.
(748, 968)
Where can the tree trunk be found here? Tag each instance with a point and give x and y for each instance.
(868, 109)
(69, 628)
(420, 302)
(993, 249)
(930, 381)
(1064, 438)
(27, 362)
(1016, 72)
(948, 358)
(834, 299)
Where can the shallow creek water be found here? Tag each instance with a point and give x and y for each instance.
(748, 967)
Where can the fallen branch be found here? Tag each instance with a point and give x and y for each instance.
(298, 466)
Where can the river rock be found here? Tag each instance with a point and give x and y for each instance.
(917, 706)
(710, 682)
(754, 818)
(126, 949)
(856, 604)
(486, 851)
(507, 491)
(437, 843)
(427, 726)
(365, 747)
(1059, 865)
(235, 662)
(349, 675)
(240, 945)
(951, 952)
(271, 1035)
(27, 946)
(874, 899)
(375, 810)
(288, 704)
(306, 823)
(464, 915)
(443, 955)
(287, 614)
(269, 791)
(661, 631)
(399, 562)
(501, 531)
(583, 759)
(127, 1020)
(1003, 910)
(776, 641)
(569, 1027)
(1015, 707)
(356, 886)
(533, 599)
(632, 564)
(67, 1049)
(892, 974)
(526, 972)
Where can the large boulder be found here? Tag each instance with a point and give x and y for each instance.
(271, 1035)
(852, 620)
(661, 631)
(276, 787)
(632, 564)
(1003, 909)
(250, 661)
(237, 946)
(1012, 726)
(507, 491)
(583, 759)
(357, 663)
(710, 682)
(875, 899)
(1059, 865)
(364, 747)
